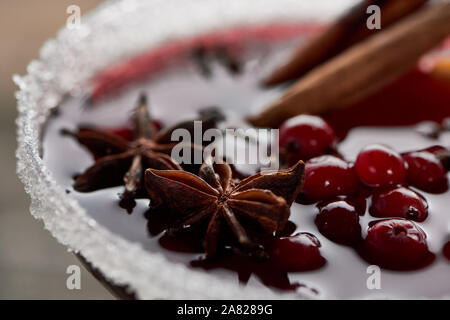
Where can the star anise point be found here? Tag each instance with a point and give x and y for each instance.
(123, 162)
(214, 195)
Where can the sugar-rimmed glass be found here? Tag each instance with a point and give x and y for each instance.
(110, 34)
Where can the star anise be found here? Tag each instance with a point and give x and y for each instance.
(264, 198)
(123, 162)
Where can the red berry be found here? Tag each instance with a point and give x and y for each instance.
(299, 252)
(124, 132)
(127, 132)
(396, 244)
(338, 220)
(358, 200)
(443, 154)
(436, 150)
(327, 177)
(304, 137)
(380, 166)
(158, 124)
(426, 172)
(399, 202)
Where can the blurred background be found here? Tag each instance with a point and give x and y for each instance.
(32, 264)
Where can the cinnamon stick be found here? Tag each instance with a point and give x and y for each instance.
(365, 67)
(345, 32)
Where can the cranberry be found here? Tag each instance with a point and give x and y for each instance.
(446, 250)
(304, 137)
(443, 154)
(436, 150)
(127, 133)
(380, 166)
(426, 172)
(396, 244)
(299, 252)
(338, 220)
(327, 177)
(399, 202)
(158, 124)
(359, 201)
